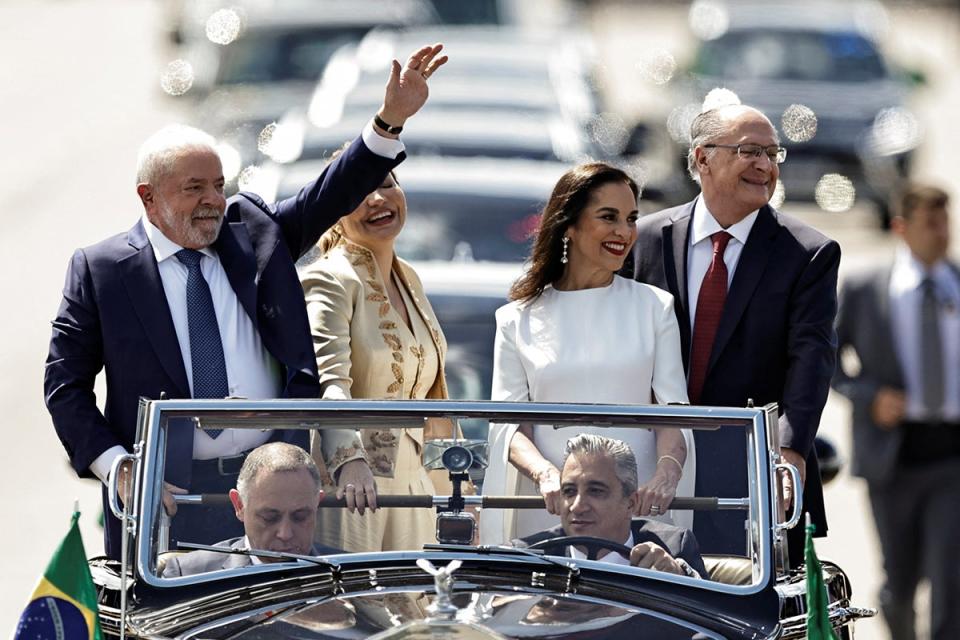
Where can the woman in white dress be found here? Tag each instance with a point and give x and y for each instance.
(577, 332)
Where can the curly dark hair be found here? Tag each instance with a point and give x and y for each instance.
(567, 202)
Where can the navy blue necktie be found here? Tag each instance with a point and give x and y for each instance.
(206, 349)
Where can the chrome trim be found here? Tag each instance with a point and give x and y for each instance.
(797, 512)
(155, 417)
(796, 626)
(113, 484)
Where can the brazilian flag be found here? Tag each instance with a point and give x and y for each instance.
(64, 604)
(818, 612)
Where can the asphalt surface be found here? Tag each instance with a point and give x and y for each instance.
(80, 90)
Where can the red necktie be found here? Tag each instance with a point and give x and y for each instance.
(713, 293)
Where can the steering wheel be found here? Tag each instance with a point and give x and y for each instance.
(593, 545)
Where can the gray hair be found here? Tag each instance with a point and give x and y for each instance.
(624, 461)
(707, 127)
(160, 151)
(275, 457)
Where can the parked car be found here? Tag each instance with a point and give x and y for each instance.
(455, 589)
(822, 56)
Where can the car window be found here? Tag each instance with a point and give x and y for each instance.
(280, 56)
(792, 55)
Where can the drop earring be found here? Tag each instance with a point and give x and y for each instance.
(563, 258)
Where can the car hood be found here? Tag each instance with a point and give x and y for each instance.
(400, 615)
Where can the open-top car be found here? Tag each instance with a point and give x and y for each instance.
(456, 588)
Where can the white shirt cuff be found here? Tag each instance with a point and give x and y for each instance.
(101, 466)
(386, 147)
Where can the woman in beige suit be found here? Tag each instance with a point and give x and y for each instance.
(376, 336)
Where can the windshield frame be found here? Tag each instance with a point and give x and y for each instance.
(759, 424)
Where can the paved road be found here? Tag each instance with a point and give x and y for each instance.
(79, 89)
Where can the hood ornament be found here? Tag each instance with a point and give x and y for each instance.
(443, 608)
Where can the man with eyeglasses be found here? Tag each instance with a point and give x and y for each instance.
(755, 296)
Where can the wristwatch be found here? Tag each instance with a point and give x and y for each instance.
(389, 128)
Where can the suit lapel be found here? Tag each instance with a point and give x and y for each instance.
(750, 268)
(675, 243)
(237, 256)
(141, 277)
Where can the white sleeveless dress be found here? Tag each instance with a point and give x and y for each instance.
(615, 344)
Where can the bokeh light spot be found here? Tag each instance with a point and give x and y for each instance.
(679, 121)
(609, 131)
(835, 193)
(230, 160)
(657, 66)
(708, 19)
(799, 123)
(894, 130)
(223, 26)
(719, 97)
(779, 195)
(177, 78)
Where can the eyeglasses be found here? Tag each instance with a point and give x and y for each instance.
(775, 153)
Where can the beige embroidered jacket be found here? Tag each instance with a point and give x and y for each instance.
(363, 351)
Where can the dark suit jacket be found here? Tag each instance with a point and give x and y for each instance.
(863, 325)
(114, 315)
(200, 561)
(775, 343)
(678, 542)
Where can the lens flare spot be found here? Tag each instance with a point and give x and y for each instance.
(835, 193)
(657, 66)
(799, 123)
(230, 160)
(779, 195)
(177, 78)
(223, 26)
(679, 121)
(719, 97)
(609, 131)
(708, 19)
(894, 131)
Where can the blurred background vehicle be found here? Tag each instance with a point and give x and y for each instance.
(817, 70)
(459, 209)
(252, 61)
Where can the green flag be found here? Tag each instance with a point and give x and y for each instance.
(818, 613)
(64, 604)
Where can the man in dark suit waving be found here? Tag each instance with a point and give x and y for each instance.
(598, 485)
(201, 299)
(755, 297)
(902, 321)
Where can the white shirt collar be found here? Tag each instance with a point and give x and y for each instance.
(164, 247)
(908, 273)
(705, 225)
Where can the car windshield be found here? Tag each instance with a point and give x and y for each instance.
(512, 520)
(791, 55)
(278, 56)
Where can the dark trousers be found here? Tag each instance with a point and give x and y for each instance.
(917, 514)
(209, 524)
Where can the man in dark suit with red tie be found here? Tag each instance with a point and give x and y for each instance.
(201, 299)
(755, 297)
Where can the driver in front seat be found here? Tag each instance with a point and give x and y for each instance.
(599, 487)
